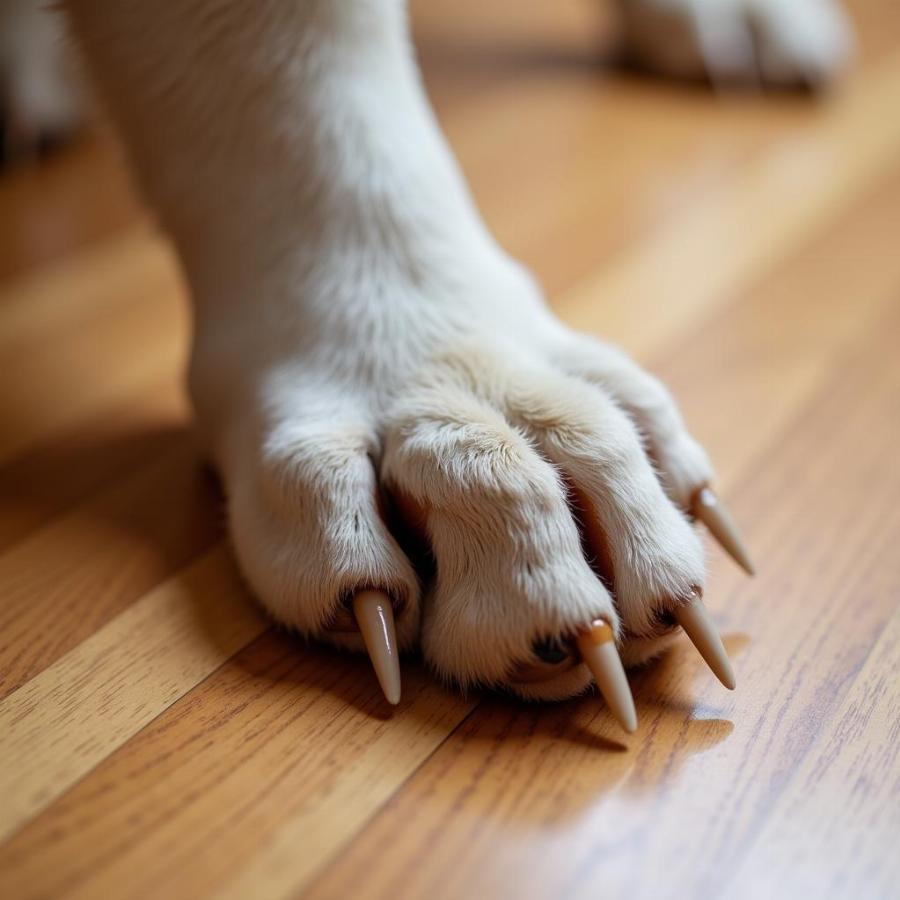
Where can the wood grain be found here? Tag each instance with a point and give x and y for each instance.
(59, 725)
(277, 714)
(74, 464)
(158, 738)
(78, 572)
(845, 797)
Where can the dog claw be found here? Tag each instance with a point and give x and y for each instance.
(697, 624)
(598, 650)
(710, 510)
(375, 617)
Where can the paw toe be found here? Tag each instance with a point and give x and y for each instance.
(308, 531)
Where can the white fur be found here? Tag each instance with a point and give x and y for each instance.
(776, 42)
(357, 329)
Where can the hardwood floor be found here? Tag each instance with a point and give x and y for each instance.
(159, 739)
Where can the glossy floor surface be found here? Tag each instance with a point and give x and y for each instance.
(158, 738)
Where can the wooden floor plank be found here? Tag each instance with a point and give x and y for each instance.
(279, 732)
(762, 358)
(703, 770)
(843, 804)
(47, 302)
(66, 720)
(72, 577)
(64, 204)
(603, 159)
(84, 335)
(74, 464)
(809, 174)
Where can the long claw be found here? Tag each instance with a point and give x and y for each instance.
(710, 510)
(375, 617)
(598, 650)
(699, 627)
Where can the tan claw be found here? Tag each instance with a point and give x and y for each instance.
(598, 650)
(699, 627)
(375, 617)
(710, 510)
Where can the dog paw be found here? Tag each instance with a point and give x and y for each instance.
(543, 511)
(740, 42)
(545, 474)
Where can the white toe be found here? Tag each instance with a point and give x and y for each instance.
(509, 562)
(304, 518)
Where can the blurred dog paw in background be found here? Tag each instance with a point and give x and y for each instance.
(42, 94)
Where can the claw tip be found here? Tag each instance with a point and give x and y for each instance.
(598, 650)
(710, 510)
(375, 617)
(698, 626)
